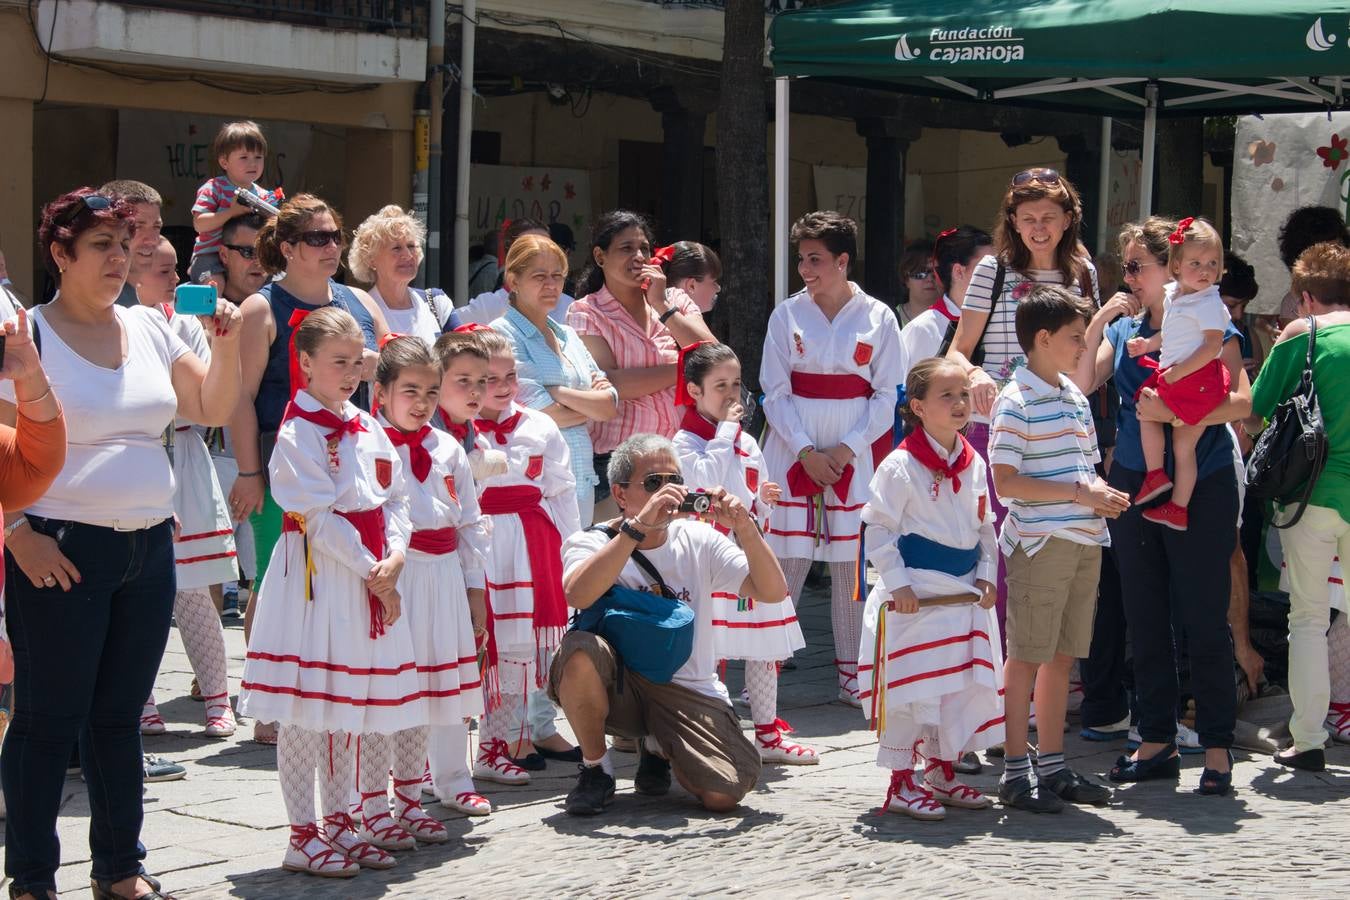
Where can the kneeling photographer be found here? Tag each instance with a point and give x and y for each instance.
(620, 671)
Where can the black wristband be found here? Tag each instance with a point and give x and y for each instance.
(626, 528)
(665, 316)
(249, 474)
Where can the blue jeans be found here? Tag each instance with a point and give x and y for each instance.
(85, 660)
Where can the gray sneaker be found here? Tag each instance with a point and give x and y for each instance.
(157, 768)
(1020, 793)
(1069, 785)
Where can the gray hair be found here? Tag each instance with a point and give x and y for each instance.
(625, 456)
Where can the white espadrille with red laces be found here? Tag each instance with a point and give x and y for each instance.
(774, 748)
(906, 797)
(151, 721)
(312, 853)
(848, 683)
(1338, 722)
(340, 829)
(494, 764)
(382, 831)
(415, 819)
(219, 717)
(942, 781)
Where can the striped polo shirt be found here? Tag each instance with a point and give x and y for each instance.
(1045, 431)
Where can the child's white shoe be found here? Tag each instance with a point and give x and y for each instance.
(312, 853)
(942, 781)
(905, 797)
(494, 764)
(774, 748)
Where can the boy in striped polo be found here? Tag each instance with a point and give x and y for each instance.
(1042, 449)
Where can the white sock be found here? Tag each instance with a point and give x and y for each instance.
(603, 762)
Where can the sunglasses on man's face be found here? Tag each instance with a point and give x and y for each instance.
(244, 250)
(1042, 176)
(91, 202)
(653, 482)
(319, 238)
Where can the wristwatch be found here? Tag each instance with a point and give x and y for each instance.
(626, 528)
(665, 316)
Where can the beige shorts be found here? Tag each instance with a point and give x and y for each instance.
(1052, 598)
(700, 735)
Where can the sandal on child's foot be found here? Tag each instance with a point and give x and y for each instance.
(774, 749)
(494, 764)
(312, 853)
(341, 831)
(382, 831)
(471, 803)
(1214, 783)
(940, 776)
(413, 818)
(907, 798)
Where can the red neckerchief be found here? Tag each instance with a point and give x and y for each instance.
(325, 418)
(418, 455)
(918, 446)
(502, 430)
(940, 308)
(696, 423)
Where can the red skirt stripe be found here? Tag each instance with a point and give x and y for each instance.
(205, 534)
(938, 673)
(325, 665)
(210, 556)
(332, 698)
(723, 623)
(834, 538)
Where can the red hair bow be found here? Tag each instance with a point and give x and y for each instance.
(682, 397)
(1178, 237)
(471, 327)
(662, 256)
(390, 336)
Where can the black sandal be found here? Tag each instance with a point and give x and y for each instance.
(1214, 783)
(103, 890)
(1166, 763)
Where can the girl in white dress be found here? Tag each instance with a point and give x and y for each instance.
(445, 555)
(931, 675)
(832, 364)
(330, 657)
(715, 452)
(533, 508)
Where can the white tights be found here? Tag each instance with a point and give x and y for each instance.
(204, 641)
(761, 683)
(300, 755)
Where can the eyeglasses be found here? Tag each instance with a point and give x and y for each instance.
(244, 250)
(91, 202)
(1042, 176)
(318, 238)
(652, 483)
(1133, 267)
(921, 275)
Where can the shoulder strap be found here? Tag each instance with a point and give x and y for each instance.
(996, 290)
(1307, 378)
(643, 562)
(37, 333)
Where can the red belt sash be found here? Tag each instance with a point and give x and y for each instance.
(818, 386)
(436, 541)
(369, 525)
(545, 549)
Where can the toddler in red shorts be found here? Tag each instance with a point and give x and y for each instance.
(1190, 378)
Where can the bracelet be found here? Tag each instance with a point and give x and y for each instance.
(249, 474)
(43, 396)
(805, 452)
(665, 316)
(626, 528)
(14, 526)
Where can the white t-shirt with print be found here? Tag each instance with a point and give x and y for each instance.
(695, 562)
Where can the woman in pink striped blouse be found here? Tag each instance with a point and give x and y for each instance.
(634, 326)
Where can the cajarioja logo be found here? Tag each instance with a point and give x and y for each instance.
(1317, 39)
(996, 43)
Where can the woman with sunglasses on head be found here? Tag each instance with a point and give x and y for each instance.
(1171, 581)
(1035, 242)
(832, 361)
(90, 571)
(305, 242)
(918, 288)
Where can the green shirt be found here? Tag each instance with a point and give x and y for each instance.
(1331, 378)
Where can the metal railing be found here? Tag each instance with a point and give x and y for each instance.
(406, 18)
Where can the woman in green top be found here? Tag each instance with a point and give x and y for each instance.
(1321, 279)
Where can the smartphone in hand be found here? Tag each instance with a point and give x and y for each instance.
(194, 300)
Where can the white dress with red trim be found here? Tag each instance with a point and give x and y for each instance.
(532, 508)
(445, 557)
(940, 677)
(321, 657)
(724, 455)
(827, 383)
(204, 549)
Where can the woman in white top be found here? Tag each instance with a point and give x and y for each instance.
(91, 564)
(387, 250)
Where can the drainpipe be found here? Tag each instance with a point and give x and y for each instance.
(436, 90)
(467, 31)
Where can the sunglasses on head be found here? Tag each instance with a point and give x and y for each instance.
(91, 202)
(244, 250)
(318, 238)
(653, 482)
(1042, 176)
(1133, 267)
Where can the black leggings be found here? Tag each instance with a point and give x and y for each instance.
(1180, 576)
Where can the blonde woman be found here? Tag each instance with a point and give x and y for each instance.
(387, 251)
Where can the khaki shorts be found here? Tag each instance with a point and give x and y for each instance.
(700, 735)
(1052, 598)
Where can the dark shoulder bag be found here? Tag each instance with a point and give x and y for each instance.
(977, 355)
(1292, 451)
(653, 633)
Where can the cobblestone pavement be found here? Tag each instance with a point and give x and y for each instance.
(805, 831)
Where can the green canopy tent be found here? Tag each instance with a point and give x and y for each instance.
(1125, 58)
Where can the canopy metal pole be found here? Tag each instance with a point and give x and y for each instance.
(1104, 189)
(1150, 146)
(780, 189)
(468, 26)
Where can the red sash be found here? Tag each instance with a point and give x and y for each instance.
(545, 549)
(436, 541)
(369, 525)
(818, 386)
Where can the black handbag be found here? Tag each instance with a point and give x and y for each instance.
(1292, 451)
